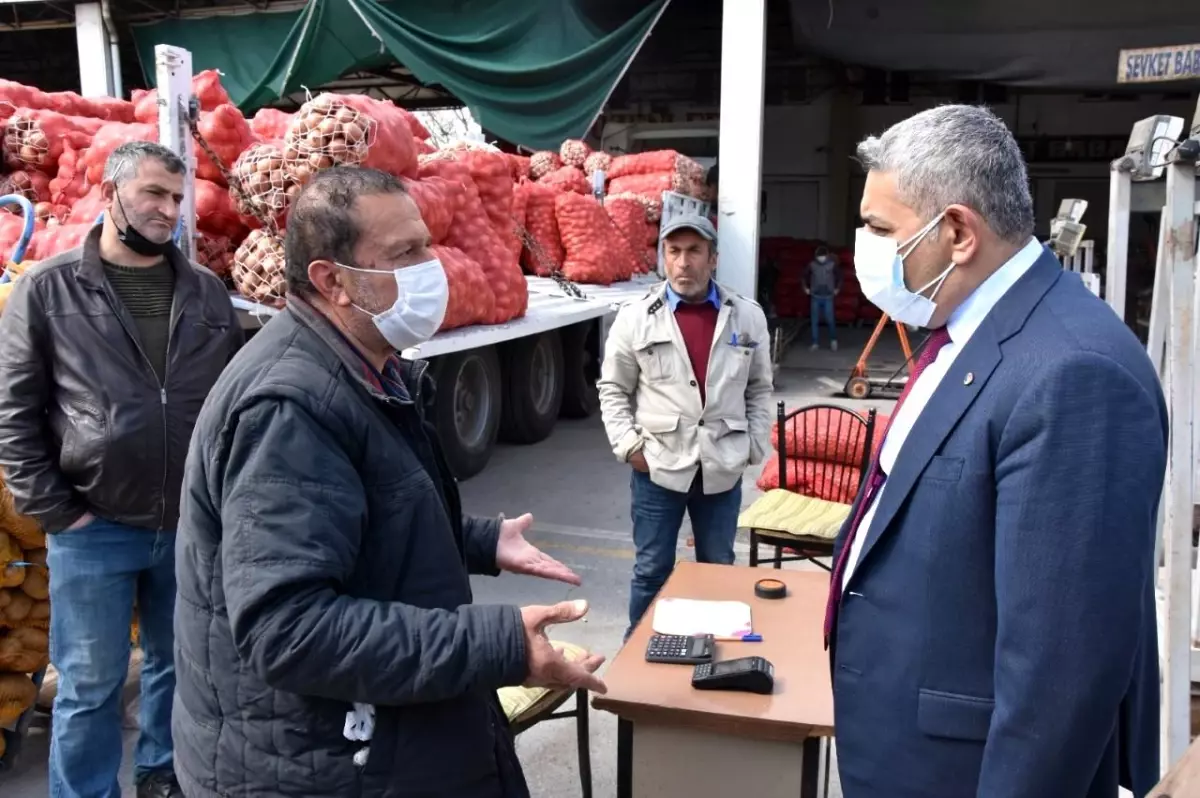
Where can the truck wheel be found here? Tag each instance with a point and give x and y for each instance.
(533, 388)
(467, 408)
(581, 369)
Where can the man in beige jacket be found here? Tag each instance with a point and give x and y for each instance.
(685, 392)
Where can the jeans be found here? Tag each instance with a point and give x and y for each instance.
(657, 515)
(96, 573)
(822, 305)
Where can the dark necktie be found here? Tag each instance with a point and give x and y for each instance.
(929, 352)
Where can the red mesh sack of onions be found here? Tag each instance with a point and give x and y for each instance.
(15, 95)
(629, 217)
(267, 186)
(543, 163)
(258, 269)
(574, 152)
(568, 178)
(206, 87)
(518, 165)
(110, 109)
(36, 138)
(471, 298)
(107, 139)
(490, 172)
(520, 201)
(333, 129)
(424, 147)
(228, 134)
(415, 126)
(50, 214)
(270, 124)
(651, 185)
(216, 212)
(11, 228)
(659, 162)
(472, 232)
(87, 209)
(438, 199)
(652, 206)
(215, 253)
(597, 162)
(51, 241)
(543, 253)
(596, 252)
(71, 181)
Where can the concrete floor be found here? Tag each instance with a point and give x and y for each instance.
(580, 501)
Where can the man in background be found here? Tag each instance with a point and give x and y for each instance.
(823, 282)
(685, 393)
(109, 352)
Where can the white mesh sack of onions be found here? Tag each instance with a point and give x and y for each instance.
(349, 129)
(258, 269)
(36, 139)
(269, 188)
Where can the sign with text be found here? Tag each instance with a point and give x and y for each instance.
(1159, 64)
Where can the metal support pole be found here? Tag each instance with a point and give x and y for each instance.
(1116, 273)
(1179, 262)
(91, 39)
(743, 69)
(173, 75)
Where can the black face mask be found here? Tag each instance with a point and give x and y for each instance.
(137, 242)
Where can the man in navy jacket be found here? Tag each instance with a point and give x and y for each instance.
(991, 617)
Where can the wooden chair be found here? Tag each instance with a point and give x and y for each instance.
(526, 707)
(835, 444)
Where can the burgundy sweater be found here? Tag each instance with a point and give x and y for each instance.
(697, 323)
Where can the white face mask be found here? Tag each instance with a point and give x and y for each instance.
(422, 294)
(879, 267)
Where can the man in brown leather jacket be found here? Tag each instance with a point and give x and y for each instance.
(109, 352)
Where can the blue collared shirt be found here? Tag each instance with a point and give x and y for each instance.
(673, 299)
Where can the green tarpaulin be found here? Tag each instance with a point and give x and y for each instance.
(533, 72)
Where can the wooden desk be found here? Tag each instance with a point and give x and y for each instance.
(716, 743)
(1183, 780)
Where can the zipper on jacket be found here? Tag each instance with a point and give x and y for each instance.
(162, 389)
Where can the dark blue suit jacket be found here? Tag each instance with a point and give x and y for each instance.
(997, 638)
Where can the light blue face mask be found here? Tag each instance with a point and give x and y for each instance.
(879, 267)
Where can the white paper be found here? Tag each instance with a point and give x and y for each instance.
(724, 620)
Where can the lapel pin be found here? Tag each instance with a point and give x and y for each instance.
(970, 378)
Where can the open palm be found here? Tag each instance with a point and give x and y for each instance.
(517, 555)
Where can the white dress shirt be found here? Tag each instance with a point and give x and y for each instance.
(961, 325)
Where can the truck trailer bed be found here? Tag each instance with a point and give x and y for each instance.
(550, 308)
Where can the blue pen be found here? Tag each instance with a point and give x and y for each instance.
(752, 638)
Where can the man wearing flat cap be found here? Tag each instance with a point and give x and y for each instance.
(685, 392)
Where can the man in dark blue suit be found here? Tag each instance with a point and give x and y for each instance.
(991, 617)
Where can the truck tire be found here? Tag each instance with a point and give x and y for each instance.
(533, 388)
(581, 370)
(467, 408)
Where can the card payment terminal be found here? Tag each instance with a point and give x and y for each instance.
(746, 674)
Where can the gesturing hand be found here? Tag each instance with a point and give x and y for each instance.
(547, 666)
(517, 555)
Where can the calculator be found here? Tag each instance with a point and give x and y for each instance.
(680, 649)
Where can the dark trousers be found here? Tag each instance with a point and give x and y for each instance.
(657, 515)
